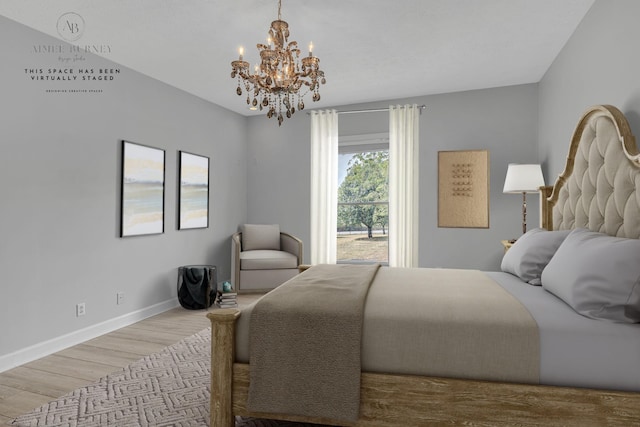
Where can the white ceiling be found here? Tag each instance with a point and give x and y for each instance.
(370, 50)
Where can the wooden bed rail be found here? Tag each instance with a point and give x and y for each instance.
(223, 326)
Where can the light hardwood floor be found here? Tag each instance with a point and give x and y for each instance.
(28, 386)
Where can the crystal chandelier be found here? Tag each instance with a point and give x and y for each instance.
(282, 78)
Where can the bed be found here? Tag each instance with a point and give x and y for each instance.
(586, 370)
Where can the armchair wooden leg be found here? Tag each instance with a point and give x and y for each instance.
(223, 324)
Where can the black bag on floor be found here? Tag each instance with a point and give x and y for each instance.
(197, 286)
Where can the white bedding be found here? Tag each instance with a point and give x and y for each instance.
(574, 350)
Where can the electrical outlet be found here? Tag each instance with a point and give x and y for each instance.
(80, 309)
(120, 298)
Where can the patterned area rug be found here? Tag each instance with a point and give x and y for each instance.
(168, 388)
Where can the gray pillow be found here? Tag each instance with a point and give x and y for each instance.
(260, 236)
(531, 253)
(597, 275)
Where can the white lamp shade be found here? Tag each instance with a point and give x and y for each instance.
(523, 179)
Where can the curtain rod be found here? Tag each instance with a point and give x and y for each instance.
(372, 110)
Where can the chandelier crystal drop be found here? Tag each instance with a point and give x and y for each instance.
(282, 78)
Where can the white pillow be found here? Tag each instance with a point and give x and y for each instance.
(260, 236)
(531, 253)
(597, 275)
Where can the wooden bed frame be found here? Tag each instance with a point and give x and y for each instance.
(404, 400)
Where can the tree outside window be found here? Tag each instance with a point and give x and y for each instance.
(363, 207)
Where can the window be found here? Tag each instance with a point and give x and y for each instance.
(363, 199)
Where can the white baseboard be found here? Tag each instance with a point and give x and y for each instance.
(48, 347)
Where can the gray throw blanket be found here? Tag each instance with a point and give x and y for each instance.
(305, 341)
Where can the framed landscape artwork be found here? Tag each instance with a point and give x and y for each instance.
(463, 189)
(193, 205)
(142, 208)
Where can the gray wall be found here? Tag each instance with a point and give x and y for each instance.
(278, 176)
(503, 121)
(599, 65)
(60, 193)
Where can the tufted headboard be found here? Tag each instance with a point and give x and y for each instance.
(599, 188)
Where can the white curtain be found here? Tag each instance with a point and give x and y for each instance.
(403, 185)
(324, 186)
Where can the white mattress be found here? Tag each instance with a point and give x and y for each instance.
(574, 350)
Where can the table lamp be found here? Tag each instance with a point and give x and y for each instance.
(523, 179)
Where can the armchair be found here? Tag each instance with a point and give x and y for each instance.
(263, 257)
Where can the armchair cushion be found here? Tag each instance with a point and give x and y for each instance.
(267, 260)
(260, 236)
